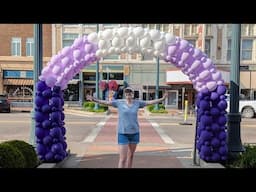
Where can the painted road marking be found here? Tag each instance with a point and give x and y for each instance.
(95, 131)
(161, 133)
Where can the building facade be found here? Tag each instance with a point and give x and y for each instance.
(139, 71)
(16, 59)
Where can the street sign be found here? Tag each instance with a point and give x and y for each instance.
(244, 67)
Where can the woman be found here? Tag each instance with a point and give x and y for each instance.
(128, 126)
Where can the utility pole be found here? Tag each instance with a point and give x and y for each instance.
(38, 64)
(234, 117)
(157, 76)
(96, 106)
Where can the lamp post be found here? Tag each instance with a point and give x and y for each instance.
(38, 63)
(157, 76)
(234, 117)
(96, 106)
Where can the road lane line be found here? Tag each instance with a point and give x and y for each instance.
(95, 131)
(161, 133)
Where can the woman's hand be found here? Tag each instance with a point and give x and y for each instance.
(165, 95)
(89, 97)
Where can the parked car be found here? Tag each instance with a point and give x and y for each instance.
(247, 108)
(5, 105)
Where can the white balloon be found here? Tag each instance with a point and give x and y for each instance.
(117, 50)
(102, 44)
(123, 32)
(107, 34)
(155, 34)
(216, 76)
(156, 53)
(124, 49)
(138, 32)
(93, 37)
(99, 53)
(130, 41)
(145, 42)
(159, 45)
(196, 52)
(111, 50)
(150, 51)
(117, 42)
(170, 39)
(211, 85)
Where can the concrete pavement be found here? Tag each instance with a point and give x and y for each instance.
(154, 150)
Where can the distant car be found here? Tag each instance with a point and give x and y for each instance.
(5, 105)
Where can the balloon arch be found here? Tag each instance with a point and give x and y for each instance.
(207, 80)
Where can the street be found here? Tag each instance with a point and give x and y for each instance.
(80, 128)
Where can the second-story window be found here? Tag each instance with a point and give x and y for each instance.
(207, 47)
(192, 41)
(30, 47)
(229, 50)
(68, 39)
(16, 46)
(246, 49)
(190, 29)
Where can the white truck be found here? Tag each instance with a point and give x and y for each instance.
(247, 108)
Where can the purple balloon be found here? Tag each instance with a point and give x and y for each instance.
(41, 86)
(204, 105)
(222, 135)
(47, 140)
(214, 96)
(205, 150)
(55, 132)
(215, 142)
(221, 89)
(49, 156)
(206, 135)
(41, 149)
(223, 150)
(46, 124)
(47, 93)
(46, 108)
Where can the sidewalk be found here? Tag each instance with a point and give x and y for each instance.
(152, 152)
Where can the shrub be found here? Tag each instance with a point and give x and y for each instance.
(28, 152)
(161, 109)
(247, 159)
(89, 106)
(11, 157)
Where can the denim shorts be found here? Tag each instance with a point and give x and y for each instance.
(125, 139)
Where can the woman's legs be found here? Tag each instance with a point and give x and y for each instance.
(123, 150)
(130, 154)
(126, 153)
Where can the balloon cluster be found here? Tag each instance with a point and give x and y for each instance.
(206, 79)
(211, 129)
(211, 101)
(49, 117)
(68, 62)
(132, 40)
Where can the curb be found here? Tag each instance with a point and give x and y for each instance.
(54, 165)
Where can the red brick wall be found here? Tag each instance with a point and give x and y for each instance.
(7, 31)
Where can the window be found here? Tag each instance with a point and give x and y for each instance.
(207, 47)
(16, 46)
(30, 47)
(247, 29)
(229, 50)
(68, 39)
(112, 76)
(165, 28)
(192, 41)
(208, 29)
(246, 49)
(229, 30)
(190, 29)
(151, 26)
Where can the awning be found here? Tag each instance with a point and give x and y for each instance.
(74, 81)
(18, 82)
(178, 77)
